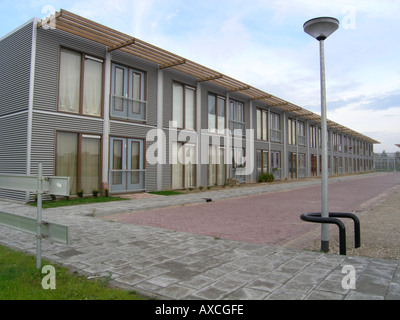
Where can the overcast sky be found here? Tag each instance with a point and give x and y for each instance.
(262, 43)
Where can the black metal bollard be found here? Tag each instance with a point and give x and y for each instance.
(316, 218)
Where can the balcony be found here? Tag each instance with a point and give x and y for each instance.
(301, 140)
(276, 135)
(302, 173)
(127, 108)
(277, 173)
(237, 128)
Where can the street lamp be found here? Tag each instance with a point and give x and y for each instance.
(320, 29)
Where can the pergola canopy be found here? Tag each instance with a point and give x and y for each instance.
(115, 40)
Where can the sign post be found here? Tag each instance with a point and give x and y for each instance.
(39, 218)
(38, 185)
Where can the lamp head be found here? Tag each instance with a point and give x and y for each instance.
(321, 28)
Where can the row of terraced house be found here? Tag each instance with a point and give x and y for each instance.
(97, 105)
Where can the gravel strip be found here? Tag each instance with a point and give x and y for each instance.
(380, 230)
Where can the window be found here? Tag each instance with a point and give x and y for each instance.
(216, 114)
(276, 164)
(291, 131)
(238, 158)
(313, 137)
(302, 170)
(301, 133)
(236, 116)
(128, 95)
(262, 162)
(184, 106)
(216, 166)
(81, 83)
(346, 146)
(329, 140)
(275, 127)
(319, 138)
(262, 124)
(78, 157)
(292, 165)
(335, 141)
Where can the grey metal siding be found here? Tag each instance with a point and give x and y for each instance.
(126, 129)
(15, 64)
(13, 145)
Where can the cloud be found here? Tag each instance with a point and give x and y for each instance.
(382, 125)
(262, 43)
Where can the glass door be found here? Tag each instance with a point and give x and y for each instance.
(292, 165)
(117, 164)
(126, 165)
(135, 173)
(313, 165)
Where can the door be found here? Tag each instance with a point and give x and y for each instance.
(135, 173)
(313, 165)
(126, 165)
(238, 162)
(292, 165)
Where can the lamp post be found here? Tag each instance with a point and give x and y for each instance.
(320, 29)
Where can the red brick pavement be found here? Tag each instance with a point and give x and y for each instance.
(270, 218)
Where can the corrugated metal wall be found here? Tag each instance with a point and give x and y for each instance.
(15, 58)
(15, 64)
(13, 144)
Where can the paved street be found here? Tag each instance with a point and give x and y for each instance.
(269, 218)
(185, 264)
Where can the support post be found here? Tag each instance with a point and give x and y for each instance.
(324, 132)
(39, 218)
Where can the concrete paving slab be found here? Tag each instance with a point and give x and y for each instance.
(180, 265)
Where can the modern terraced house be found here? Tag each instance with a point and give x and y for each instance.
(97, 105)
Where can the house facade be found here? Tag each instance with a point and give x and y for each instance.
(113, 112)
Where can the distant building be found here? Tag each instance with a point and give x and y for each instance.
(387, 161)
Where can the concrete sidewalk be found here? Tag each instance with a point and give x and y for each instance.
(176, 265)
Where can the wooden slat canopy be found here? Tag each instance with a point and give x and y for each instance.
(115, 40)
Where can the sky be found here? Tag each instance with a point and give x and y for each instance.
(262, 43)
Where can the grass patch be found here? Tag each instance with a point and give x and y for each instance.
(167, 193)
(19, 280)
(76, 201)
